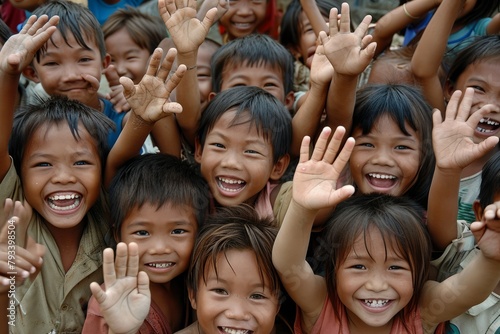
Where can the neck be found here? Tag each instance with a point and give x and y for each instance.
(67, 241)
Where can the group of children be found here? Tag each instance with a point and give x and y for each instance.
(254, 207)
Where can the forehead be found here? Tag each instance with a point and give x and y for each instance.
(163, 215)
(231, 121)
(58, 41)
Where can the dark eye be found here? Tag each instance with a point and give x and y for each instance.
(42, 164)
(366, 144)
(218, 145)
(82, 163)
(142, 233)
(179, 231)
(358, 266)
(257, 296)
(395, 268)
(478, 88)
(401, 147)
(220, 291)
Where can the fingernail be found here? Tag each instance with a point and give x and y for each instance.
(32, 270)
(25, 274)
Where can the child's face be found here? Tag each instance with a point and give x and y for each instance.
(165, 238)
(130, 59)
(267, 77)
(307, 44)
(70, 70)
(385, 160)
(483, 77)
(235, 300)
(61, 175)
(243, 17)
(236, 161)
(203, 70)
(374, 286)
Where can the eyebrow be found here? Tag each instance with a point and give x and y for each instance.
(213, 278)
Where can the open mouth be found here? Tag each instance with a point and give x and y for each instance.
(487, 125)
(64, 202)
(230, 185)
(231, 330)
(160, 265)
(376, 303)
(379, 180)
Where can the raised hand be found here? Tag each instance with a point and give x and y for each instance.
(321, 69)
(150, 99)
(126, 301)
(452, 138)
(186, 30)
(315, 179)
(116, 96)
(487, 232)
(349, 52)
(19, 50)
(20, 255)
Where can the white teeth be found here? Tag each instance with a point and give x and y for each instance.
(483, 130)
(489, 122)
(231, 181)
(62, 197)
(234, 331)
(382, 176)
(65, 208)
(160, 265)
(223, 181)
(376, 302)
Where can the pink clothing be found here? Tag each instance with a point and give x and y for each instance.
(327, 323)
(155, 322)
(263, 202)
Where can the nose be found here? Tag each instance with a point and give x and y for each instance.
(72, 73)
(377, 282)
(120, 68)
(63, 175)
(238, 309)
(242, 6)
(231, 160)
(383, 157)
(160, 245)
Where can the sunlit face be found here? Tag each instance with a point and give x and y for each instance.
(165, 238)
(372, 284)
(484, 77)
(265, 76)
(236, 161)
(70, 70)
(61, 175)
(129, 59)
(204, 72)
(307, 44)
(243, 17)
(235, 300)
(385, 160)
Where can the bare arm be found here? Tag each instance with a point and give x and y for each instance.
(494, 25)
(314, 188)
(471, 286)
(430, 51)
(454, 150)
(349, 53)
(16, 54)
(397, 19)
(314, 16)
(150, 102)
(187, 33)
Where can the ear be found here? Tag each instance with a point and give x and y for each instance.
(30, 73)
(211, 95)
(448, 90)
(280, 167)
(106, 61)
(478, 210)
(192, 298)
(198, 150)
(289, 100)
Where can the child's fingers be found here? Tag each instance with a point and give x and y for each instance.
(345, 18)
(333, 147)
(108, 267)
(452, 107)
(363, 26)
(112, 76)
(465, 105)
(304, 149)
(344, 155)
(210, 18)
(321, 144)
(93, 81)
(333, 22)
(128, 87)
(154, 62)
(437, 118)
(121, 260)
(167, 63)
(143, 284)
(477, 115)
(172, 108)
(175, 79)
(133, 260)
(97, 292)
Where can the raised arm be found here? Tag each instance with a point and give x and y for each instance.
(187, 33)
(150, 102)
(314, 16)
(430, 51)
(471, 286)
(493, 27)
(314, 188)
(16, 54)
(349, 53)
(454, 150)
(399, 18)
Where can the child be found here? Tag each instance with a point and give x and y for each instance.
(232, 283)
(57, 154)
(475, 66)
(72, 61)
(157, 203)
(377, 256)
(131, 37)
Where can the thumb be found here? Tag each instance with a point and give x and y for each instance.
(112, 76)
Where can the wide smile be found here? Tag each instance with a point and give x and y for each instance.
(376, 305)
(64, 203)
(232, 330)
(381, 181)
(160, 266)
(230, 186)
(487, 126)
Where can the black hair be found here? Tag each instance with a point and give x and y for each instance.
(482, 9)
(74, 19)
(156, 179)
(490, 181)
(255, 106)
(253, 50)
(5, 32)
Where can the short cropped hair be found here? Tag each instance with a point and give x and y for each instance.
(234, 228)
(490, 181)
(156, 179)
(74, 19)
(266, 113)
(253, 50)
(54, 111)
(147, 31)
